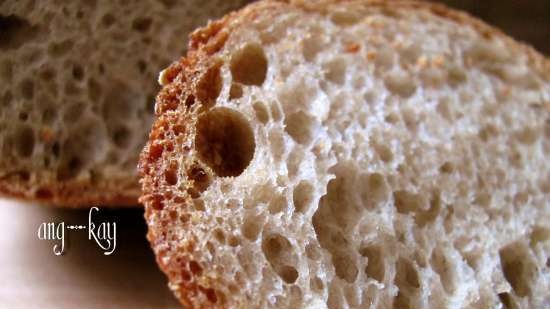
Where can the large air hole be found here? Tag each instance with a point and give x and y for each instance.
(225, 141)
(249, 65)
(518, 268)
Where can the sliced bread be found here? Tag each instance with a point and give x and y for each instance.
(352, 154)
(77, 86)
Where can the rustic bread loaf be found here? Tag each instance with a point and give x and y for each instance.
(359, 154)
(77, 86)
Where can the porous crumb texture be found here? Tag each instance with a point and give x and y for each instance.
(77, 87)
(352, 155)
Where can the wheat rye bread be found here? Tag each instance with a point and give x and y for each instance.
(359, 154)
(77, 87)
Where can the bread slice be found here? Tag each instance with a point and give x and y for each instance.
(77, 87)
(352, 154)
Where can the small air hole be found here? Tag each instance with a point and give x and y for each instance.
(195, 268)
(141, 24)
(211, 295)
(288, 273)
(142, 66)
(303, 196)
(78, 72)
(43, 194)
(121, 137)
(171, 174)
(249, 65)
(443, 267)
(277, 205)
(406, 202)
(236, 91)
(344, 17)
(251, 228)
(23, 116)
(406, 276)
(384, 152)
(375, 262)
(344, 266)
(107, 20)
(233, 241)
(261, 112)
(6, 99)
(25, 140)
(335, 71)
(447, 168)
(60, 48)
(27, 89)
(518, 268)
(199, 177)
(209, 87)
(507, 301)
(400, 84)
(300, 127)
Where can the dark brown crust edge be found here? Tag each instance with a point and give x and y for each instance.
(184, 75)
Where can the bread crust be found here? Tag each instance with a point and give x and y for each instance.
(181, 85)
(70, 195)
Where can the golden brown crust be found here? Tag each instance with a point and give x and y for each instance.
(178, 105)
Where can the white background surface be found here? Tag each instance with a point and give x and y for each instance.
(31, 276)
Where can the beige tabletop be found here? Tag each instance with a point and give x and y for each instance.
(31, 276)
